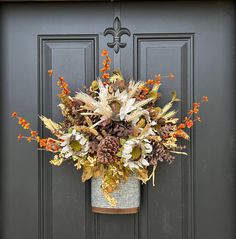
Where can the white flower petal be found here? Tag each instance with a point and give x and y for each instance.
(78, 137)
(148, 148)
(65, 149)
(128, 148)
(68, 155)
(145, 162)
(64, 143)
(83, 141)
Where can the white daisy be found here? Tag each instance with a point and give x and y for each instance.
(74, 144)
(134, 153)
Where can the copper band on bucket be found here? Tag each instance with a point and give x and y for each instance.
(115, 210)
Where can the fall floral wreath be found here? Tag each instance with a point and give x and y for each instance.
(114, 128)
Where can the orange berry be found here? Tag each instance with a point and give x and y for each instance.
(20, 120)
(198, 118)
(171, 76)
(205, 98)
(33, 133)
(26, 126)
(158, 77)
(103, 69)
(50, 72)
(145, 89)
(105, 83)
(196, 104)
(106, 76)
(50, 141)
(181, 126)
(186, 119)
(150, 82)
(14, 114)
(29, 139)
(189, 123)
(42, 142)
(190, 112)
(20, 136)
(104, 52)
(104, 62)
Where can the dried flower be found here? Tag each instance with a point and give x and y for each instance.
(134, 153)
(159, 153)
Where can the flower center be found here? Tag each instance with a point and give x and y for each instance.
(115, 106)
(142, 122)
(75, 145)
(136, 153)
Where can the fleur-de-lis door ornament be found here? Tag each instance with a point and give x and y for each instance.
(117, 31)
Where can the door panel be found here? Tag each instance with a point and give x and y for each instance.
(75, 57)
(195, 196)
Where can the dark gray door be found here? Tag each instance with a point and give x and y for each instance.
(195, 197)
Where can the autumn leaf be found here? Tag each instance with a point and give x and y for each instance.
(87, 173)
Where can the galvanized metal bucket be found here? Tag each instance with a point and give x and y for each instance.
(127, 195)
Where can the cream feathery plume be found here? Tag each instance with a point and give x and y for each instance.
(135, 114)
(143, 102)
(133, 87)
(90, 103)
(103, 92)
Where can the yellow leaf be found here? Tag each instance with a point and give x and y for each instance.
(154, 92)
(49, 124)
(87, 173)
(174, 97)
(56, 162)
(143, 175)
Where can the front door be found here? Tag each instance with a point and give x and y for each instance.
(194, 198)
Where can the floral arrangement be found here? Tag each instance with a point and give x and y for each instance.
(114, 128)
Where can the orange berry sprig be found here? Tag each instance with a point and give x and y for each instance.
(61, 83)
(64, 86)
(144, 89)
(48, 144)
(106, 65)
(158, 79)
(188, 121)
